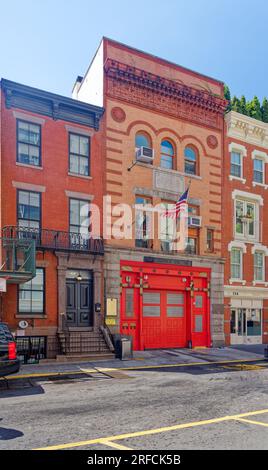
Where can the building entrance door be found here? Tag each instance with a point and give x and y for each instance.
(79, 300)
(246, 326)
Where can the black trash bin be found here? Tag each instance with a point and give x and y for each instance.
(266, 353)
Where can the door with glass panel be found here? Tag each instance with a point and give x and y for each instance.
(79, 299)
(246, 326)
(130, 308)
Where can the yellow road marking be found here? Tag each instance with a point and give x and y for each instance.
(244, 367)
(158, 366)
(47, 374)
(259, 423)
(115, 445)
(149, 432)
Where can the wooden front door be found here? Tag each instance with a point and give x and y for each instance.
(79, 302)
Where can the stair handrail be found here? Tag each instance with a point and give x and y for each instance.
(105, 330)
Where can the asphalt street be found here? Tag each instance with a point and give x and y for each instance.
(192, 407)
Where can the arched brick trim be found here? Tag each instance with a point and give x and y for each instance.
(141, 125)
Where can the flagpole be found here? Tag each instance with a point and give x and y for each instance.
(176, 224)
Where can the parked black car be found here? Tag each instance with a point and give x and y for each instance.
(9, 363)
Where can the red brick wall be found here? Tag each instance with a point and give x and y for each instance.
(228, 216)
(55, 203)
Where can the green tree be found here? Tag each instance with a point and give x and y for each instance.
(227, 96)
(243, 105)
(235, 104)
(255, 109)
(264, 110)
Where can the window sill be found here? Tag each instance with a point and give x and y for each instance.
(26, 165)
(236, 178)
(22, 316)
(262, 185)
(80, 176)
(261, 283)
(240, 281)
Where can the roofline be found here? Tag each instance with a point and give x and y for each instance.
(165, 61)
(37, 92)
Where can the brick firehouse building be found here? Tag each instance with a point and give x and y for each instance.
(163, 127)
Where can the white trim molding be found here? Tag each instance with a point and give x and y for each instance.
(233, 147)
(259, 247)
(247, 292)
(247, 129)
(236, 178)
(260, 155)
(29, 187)
(237, 244)
(75, 195)
(246, 195)
(29, 118)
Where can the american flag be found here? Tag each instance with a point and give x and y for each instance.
(178, 207)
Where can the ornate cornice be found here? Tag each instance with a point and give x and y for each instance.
(247, 129)
(137, 86)
(51, 105)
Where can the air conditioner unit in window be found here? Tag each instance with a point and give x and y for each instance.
(144, 154)
(195, 221)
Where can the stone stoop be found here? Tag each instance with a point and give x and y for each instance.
(81, 343)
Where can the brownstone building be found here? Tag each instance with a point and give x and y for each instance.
(163, 127)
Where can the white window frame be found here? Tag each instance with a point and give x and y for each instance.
(238, 249)
(257, 252)
(245, 234)
(241, 149)
(262, 156)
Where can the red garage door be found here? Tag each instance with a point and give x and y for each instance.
(164, 319)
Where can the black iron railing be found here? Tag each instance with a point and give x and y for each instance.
(55, 239)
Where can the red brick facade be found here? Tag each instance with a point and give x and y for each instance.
(56, 186)
(247, 138)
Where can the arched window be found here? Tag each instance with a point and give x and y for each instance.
(142, 140)
(190, 160)
(167, 155)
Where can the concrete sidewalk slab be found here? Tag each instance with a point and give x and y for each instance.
(148, 358)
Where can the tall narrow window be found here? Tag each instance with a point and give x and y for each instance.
(236, 263)
(236, 164)
(190, 161)
(28, 143)
(210, 240)
(258, 176)
(29, 209)
(143, 223)
(79, 149)
(167, 229)
(191, 246)
(167, 155)
(32, 294)
(79, 221)
(259, 266)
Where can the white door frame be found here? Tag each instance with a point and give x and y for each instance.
(244, 338)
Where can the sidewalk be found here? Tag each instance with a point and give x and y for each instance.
(148, 358)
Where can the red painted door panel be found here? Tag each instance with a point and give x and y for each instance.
(200, 326)
(163, 319)
(130, 310)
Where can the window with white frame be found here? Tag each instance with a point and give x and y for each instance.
(245, 218)
(236, 164)
(259, 266)
(236, 263)
(258, 175)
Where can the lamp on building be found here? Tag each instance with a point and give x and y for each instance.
(79, 277)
